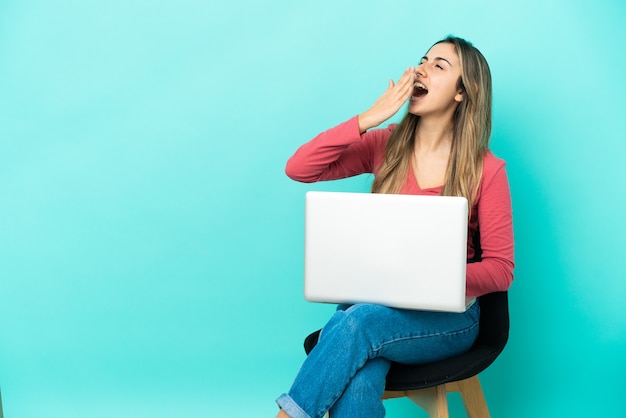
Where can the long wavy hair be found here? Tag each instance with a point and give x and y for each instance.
(471, 132)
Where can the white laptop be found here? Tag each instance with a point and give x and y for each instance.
(403, 251)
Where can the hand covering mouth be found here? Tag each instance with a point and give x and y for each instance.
(419, 90)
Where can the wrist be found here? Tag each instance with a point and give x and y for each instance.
(365, 122)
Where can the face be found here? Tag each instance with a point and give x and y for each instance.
(435, 91)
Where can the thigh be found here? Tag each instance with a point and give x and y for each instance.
(409, 336)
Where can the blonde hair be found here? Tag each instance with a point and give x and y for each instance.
(471, 132)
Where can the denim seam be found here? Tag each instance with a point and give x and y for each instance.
(415, 337)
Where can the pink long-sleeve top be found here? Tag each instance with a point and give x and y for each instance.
(343, 151)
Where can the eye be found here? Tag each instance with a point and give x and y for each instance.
(439, 66)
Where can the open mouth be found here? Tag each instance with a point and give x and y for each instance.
(419, 90)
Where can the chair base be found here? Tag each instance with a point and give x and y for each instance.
(434, 401)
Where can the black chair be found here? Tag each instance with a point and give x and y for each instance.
(428, 384)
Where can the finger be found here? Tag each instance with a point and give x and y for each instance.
(408, 77)
(404, 87)
(405, 83)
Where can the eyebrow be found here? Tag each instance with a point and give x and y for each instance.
(437, 59)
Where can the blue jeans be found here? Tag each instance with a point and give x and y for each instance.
(345, 372)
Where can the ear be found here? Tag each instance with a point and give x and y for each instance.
(459, 97)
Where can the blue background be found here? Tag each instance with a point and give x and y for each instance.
(151, 245)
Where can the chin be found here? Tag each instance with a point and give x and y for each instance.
(414, 110)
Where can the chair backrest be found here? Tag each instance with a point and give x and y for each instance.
(494, 311)
(494, 320)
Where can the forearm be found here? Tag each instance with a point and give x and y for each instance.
(489, 275)
(337, 153)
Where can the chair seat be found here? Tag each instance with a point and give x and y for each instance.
(403, 377)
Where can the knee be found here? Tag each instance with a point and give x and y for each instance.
(356, 327)
(364, 316)
(361, 321)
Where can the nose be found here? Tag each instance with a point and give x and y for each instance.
(420, 71)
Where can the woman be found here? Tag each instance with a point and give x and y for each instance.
(439, 148)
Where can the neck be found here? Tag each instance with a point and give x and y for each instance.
(433, 136)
